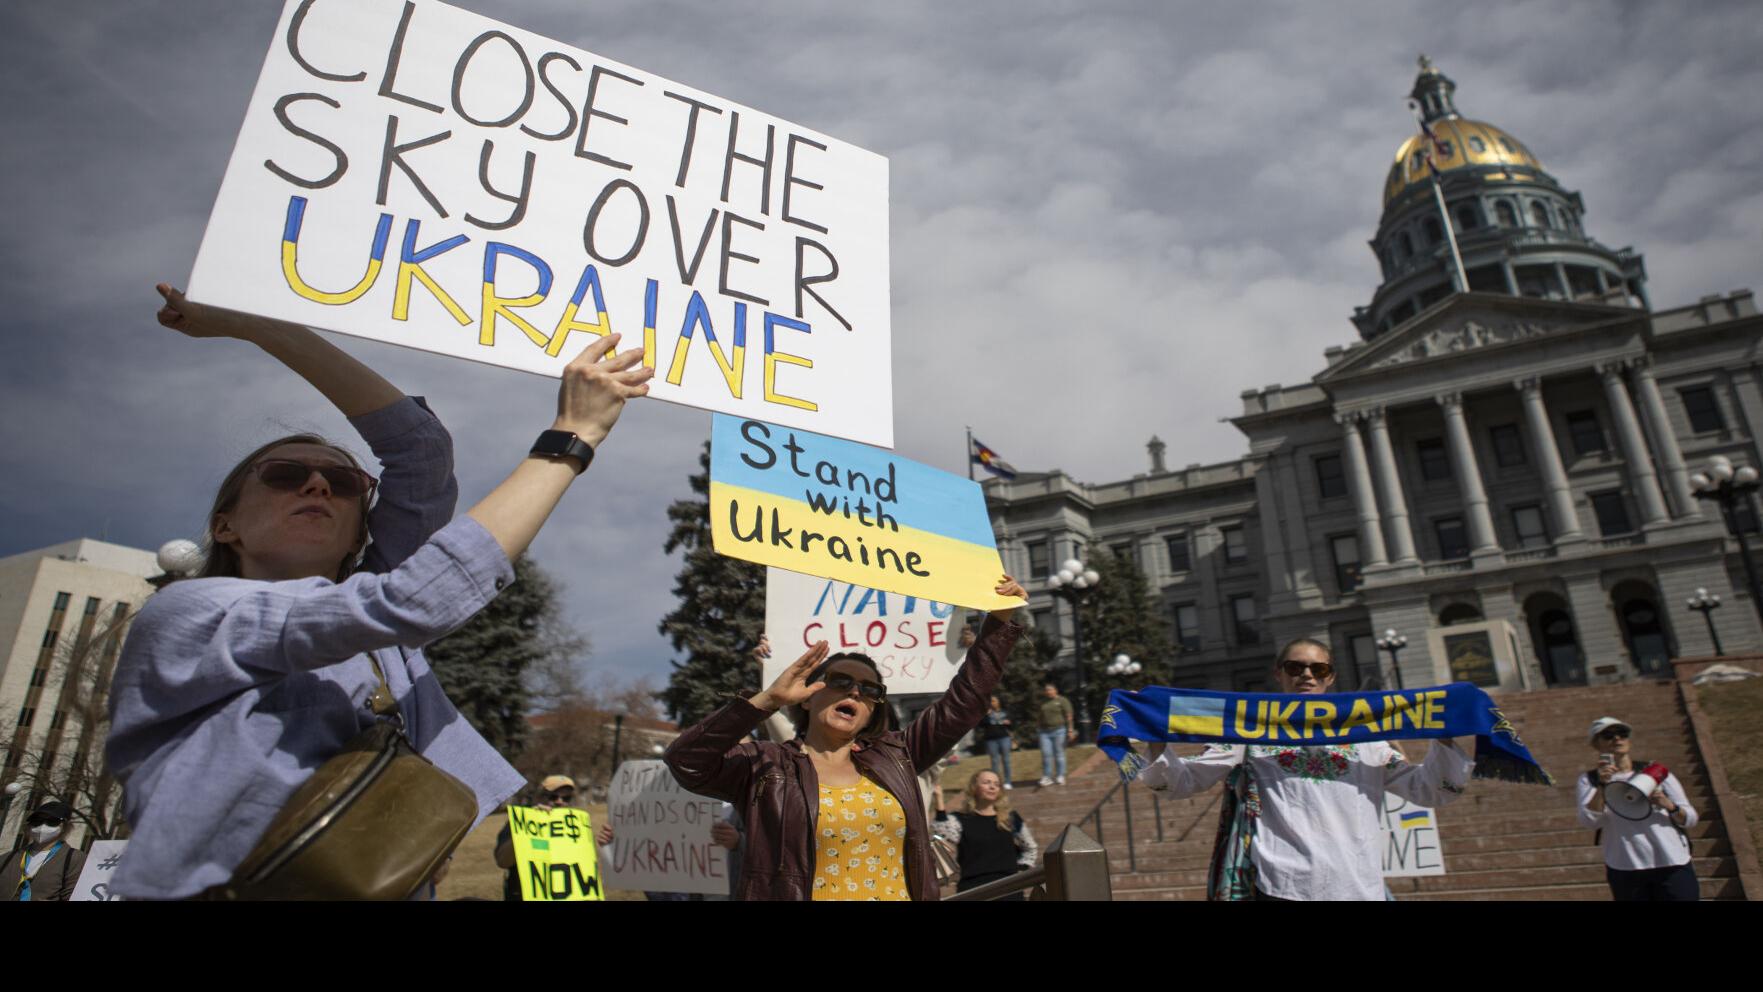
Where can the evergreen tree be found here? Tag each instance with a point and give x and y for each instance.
(1122, 616)
(1020, 688)
(720, 616)
(484, 665)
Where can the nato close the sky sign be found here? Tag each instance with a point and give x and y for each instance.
(417, 174)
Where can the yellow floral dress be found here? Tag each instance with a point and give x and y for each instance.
(860, 844)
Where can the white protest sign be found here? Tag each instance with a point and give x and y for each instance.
(914, 642)
(661, 834)
(418, 174)
(101, 862)
(1410, 839)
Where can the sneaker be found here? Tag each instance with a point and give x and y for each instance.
(1060, 780)
(1008, 786)
(1045, 781)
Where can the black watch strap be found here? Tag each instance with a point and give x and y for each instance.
(561, 444)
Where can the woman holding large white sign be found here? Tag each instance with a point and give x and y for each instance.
(304, 625)
(836, 813)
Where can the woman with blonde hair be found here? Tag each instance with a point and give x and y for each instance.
(991, 840)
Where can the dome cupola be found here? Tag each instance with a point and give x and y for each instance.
(1518, 231)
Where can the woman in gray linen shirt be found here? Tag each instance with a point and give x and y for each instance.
(234, 686)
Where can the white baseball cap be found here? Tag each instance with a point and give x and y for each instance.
(1604, 723)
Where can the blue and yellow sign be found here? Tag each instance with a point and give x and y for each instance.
(841, 510)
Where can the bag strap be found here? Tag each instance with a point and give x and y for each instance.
(381, 701)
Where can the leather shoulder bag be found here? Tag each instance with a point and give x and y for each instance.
(375, 822)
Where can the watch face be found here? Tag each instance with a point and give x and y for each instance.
(554, 443)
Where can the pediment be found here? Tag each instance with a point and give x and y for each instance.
(1471, 323)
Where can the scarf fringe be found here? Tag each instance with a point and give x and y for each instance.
(1491, 764)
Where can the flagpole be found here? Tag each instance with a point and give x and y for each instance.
(1459, 278)
(970, 453)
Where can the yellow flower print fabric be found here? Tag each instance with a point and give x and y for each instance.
(860, 845)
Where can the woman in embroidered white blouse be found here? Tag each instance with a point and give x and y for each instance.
(1318, 834)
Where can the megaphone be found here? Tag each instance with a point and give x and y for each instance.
(1632, 800)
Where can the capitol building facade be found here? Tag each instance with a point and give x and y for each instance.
(1500, 469)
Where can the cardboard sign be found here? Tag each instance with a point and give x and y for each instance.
(914, 641)
(830, 508)
(94, 881)
(661, 834)
(417, 174)
(554, 854)
(1410, 839)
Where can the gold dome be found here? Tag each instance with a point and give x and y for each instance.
(1467, 143)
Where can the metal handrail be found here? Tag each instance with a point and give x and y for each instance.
(1075, 869)
(1095, 814)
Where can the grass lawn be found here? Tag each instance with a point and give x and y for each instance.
(1025, 769)
(1733, 708)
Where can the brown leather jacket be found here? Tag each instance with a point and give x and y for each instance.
(775, 787)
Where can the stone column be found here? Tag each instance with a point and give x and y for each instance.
(1547, 453)
(1634, 447)
(1677, 477)
(1475, 498)
(1389, 490)
(1272, 542)
(1359, 486)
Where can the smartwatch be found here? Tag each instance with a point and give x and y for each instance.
(563, 444)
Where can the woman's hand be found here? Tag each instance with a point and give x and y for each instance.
(594, 388)
(197, 320)
(724, 834)
(604, 834)
(1660, 800)
(1008, 586)
(763, 650)
(1605, 770)
(792, 686)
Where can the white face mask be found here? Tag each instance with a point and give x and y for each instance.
(44, 834)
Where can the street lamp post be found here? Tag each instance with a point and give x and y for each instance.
(1732, 488)
(1705, 604)
(1072, 583)
(1123, 666)
(1393, 643)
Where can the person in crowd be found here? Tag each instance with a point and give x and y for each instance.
(991, 840)
(1304, 823)
(869, 837)
(1054, 721)
(46, 867)
(235, 684)
(556, 791)
(996, 728)
(1646, 859)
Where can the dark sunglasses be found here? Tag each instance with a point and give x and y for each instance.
(560, 797)
(841, 683)
(1319, 669)
(290, 476)
(1615, 733)
(43, 821)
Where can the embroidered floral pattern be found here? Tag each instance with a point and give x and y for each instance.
(1323, 764)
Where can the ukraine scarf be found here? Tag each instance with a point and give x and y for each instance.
(1196, 715)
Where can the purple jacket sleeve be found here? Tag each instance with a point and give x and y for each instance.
(964, 703)
(709, 758)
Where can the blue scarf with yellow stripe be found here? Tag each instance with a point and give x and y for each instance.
(1200, 716)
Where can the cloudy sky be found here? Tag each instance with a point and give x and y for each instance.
(1108, 218)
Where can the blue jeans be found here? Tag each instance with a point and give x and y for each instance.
(1000, 754)
(1053, 753)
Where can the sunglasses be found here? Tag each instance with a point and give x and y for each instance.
(1614, 734)
(560, 797)
(841, 683)
(43, 821)
(1318, 669)
(288, 475)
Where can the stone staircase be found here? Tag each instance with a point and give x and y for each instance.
(1500, 840)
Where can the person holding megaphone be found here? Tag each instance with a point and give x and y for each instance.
(1641, 814)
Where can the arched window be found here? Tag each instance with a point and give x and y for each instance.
(1646, 637)
(1407, 245)
(1506, 143)
(1505, 214)
(1559, 649)
(1539, 214)
(1477, 145)
(1458, 613)
(1434, 233)
(1468, 216)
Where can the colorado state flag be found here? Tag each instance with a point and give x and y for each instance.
(988, 459)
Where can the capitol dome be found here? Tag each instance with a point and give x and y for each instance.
(1466, 143)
